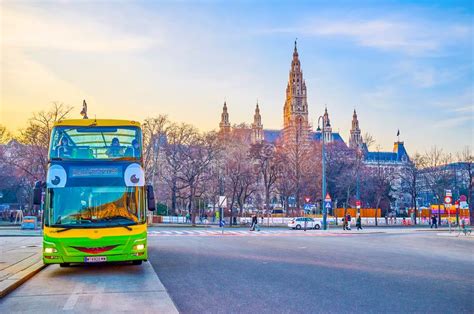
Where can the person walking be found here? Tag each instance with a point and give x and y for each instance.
(434, 222)
(359, 223)
(348, 219)
(256, 226)
(254, 222)
(343, 223)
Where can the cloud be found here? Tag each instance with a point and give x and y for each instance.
(388, 34)
(424, 75)
(41, 29)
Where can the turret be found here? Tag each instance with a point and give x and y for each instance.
(257, 127)
(355, 140)
(224, 125)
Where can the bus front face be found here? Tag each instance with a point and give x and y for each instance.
(95, 204)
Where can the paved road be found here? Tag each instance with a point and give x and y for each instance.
(393, 272)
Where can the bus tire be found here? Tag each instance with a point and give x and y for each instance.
(137, 262)
(64, 265)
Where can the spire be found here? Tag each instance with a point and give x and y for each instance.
(257, 127)
(355, 141)
(327, 122)
(224, 125)
(295, 51)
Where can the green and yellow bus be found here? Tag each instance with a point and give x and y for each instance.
(95, 198)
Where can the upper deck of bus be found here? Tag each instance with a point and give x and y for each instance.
(95, 139)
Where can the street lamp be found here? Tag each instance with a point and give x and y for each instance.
(325, 211)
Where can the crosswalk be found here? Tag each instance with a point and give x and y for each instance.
(241, 233)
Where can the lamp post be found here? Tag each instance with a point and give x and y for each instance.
(323, 184)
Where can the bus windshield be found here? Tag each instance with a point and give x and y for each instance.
(96, 142)
(95, 206)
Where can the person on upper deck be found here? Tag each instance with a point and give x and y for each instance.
(134, 150)
(115, 150)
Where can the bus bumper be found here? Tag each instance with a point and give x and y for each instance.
(59, 259)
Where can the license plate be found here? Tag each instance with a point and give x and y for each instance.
(95, 259)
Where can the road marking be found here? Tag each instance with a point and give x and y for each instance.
(96, 303)
(73, 297)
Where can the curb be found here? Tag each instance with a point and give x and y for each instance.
(25, 275)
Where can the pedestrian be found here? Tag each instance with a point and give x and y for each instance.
(11, 216)
(386, 219)
(257, 226)
(188, 217)
(359, 223)
(343, 223)
(434, 222)
(348, 219)
(254, 223)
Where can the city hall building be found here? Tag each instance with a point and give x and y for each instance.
(297, 129)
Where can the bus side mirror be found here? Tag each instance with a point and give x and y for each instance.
(150, 196)
(37, 191)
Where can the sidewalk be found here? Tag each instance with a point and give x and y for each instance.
(20, 259)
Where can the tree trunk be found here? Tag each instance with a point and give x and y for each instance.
(376, 207)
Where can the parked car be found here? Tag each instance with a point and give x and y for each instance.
(29, 222)
(299, 223)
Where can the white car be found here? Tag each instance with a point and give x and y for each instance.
(299, 223)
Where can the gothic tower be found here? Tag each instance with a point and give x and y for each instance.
(327, 130)
(296, 127)
(224, 125)
(356, 139)
(257, 127)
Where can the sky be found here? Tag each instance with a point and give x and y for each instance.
(403, 65)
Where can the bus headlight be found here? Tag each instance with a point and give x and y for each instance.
(49, 250)
(139, 247)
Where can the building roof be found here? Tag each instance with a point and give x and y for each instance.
(271, 136)
(336, 137)
(399, 154)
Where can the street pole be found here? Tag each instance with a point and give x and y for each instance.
(323, 185)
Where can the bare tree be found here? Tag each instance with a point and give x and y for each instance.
(267, 162)
(380, 178)
(369, 140)
(343, 165)
(436, 174)
(32, 155)
(466, 160)
(178, 137)
(198, 155)
(154, 138)
(5, 136)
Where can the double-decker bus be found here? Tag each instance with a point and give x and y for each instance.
(95, 199)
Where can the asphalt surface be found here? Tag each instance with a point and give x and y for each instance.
(372, 273)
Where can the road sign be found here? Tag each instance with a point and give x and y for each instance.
(449, 193)
(328, 205)
(448, 200)
(358, 204)
(327, 198)
(307, 199)
(222, 223)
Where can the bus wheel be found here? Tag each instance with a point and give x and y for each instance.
(137, 262)
(64, 265)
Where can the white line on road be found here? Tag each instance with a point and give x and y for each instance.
(73, 297)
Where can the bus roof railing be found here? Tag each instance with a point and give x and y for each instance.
(96, 122)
